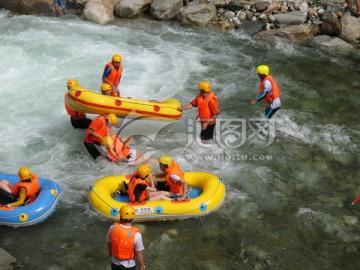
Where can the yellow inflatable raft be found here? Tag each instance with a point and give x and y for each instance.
(207, 195)
(84, 100)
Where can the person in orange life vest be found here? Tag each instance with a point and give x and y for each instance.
(142, 188)
(175, 184)
(99, 128)
(107, 90)
(113, 72)
(208, 109)
(269, 91)
(78, 120)
(125, 242)
(22, 192)
(118, 149)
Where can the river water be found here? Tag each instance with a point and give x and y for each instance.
(288, 182)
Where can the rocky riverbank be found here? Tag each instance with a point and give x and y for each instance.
(323, 23)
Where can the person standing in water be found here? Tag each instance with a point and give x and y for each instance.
(269, 91)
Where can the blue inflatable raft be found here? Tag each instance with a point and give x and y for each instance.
(37, 211)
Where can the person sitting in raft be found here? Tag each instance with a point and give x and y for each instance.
(22, 192)
(99, 128)
(107, 90)
(175, 184)
(119, 150)
(78, 120)
(141, 187)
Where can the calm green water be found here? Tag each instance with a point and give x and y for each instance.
(287, 187)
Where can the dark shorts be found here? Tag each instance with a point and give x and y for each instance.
(208, 133)
(161, 185)
(6, 197)
(82, 123)
(121, 267)
(92, 148)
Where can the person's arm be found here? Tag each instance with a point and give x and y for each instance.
(140, 258)
(159, 175)
(214, 113)
(186, 107)
(184, 191)
(21, 199)
(267, 89)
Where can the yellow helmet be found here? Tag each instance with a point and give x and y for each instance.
(165, 160)
(143, 171)
(24, 173)
(72, 83)
(116, 58)
(112, 118)
(127, 212)
(263, 69)
(106, 87)
(107, 141)
(204, 86)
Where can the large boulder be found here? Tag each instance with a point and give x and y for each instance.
(131, 8)
(99, 11)
(165, 9)
(350, 28)
(28, 7)
(197, 14)
(297, 34)
(332, 44)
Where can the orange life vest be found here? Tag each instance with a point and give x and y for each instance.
(132, 184)
(122, 241)
(275, 91)
(174, 168)
(31, 188)
(115, 74)
(121, 149)
(100, 125)
(204, 112)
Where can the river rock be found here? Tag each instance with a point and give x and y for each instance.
(328, 42)
(218, 3)
(291, 18)
(131, 8)
(297, 34)
(331, 26)
(197, 14)
(350, 28)
(165, 9)
(29, 7)
(99, 11)
(6, 260)
(251, 27)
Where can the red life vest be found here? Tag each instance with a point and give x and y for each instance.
(121, 150)
(31, 188)
(177, 187)
(115, 74)
(275, 91)
(204, 112)
(132, 184)
(99, 125)
(122, 241)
